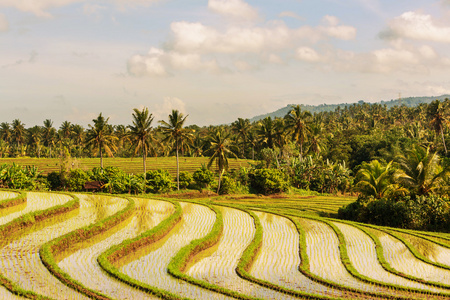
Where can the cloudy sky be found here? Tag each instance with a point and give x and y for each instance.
(215, 60)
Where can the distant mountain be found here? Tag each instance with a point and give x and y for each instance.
(409, 102)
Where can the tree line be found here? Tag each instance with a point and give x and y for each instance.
(396, 154)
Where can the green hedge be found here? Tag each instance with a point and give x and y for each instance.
(21, 198)
(59, 245)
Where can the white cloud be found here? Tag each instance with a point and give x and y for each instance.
(150, 64)
(4, 25)
(333, 29)
(37, 7)
(164, 109)
(416, 26)
(237, 9)
(290, 14)
(40, 7)
(307, 54)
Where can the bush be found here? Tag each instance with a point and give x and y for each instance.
(203, 178)
(54, 180)
(76, 180)
(268, 181)
(158, 181)
(185, 179)
(227, 185)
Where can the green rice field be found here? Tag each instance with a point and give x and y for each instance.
(97, 246)
(128, 165)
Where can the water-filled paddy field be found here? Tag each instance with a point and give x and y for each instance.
(62, 246)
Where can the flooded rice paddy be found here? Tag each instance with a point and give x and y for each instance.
(276, 261)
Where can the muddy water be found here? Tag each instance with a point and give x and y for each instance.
(83, 267)
(20, 262)
(7, 195)
(219, 267)
(401, 259)
(36, 201)
(362, 254)
(430, 250)
(150, 267)
(279, 258)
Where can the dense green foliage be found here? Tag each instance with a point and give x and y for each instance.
(391, 155)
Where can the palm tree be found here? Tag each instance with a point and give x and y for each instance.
(376, 179)
(437, 114)
(101, 138)
(220, 150)
(78, 137)
(35, 138)
(141, 134)
(421, 171)
(49, 135)
(175, 134)
(18, 133)
(265, 132)
(297, 123)
(241, 128)
(5, 132)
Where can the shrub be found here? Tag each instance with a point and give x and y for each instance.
(158, 181)
(76, 180)
(203, 178)
(227, 185)
(185, 179)
(54, 180)
(268, 181)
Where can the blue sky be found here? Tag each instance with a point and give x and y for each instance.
(215, 60)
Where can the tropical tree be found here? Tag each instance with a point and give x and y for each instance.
(176, 135)
(141, 134)
(297, 123)
(422, 173)
(49, 135)
(376, 179)
(78, 137)
(241, 128)
(100, 137)
(265, 132)
(5, 132)
(438, 116)
(18, 133)
(35, 138)
(219, 151)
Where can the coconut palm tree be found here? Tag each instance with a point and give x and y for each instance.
(421, 172)
(241, 128)
(438, 116)
(77, 136)
(35, 138)
(297, 123)
(219, 149)
(49, 135)
(141, 134)
(5, 132)
(176, 135)
(18, 133)
(265, 132)
(100, 136)
(376, 179)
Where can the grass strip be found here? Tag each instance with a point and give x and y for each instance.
(21, 198)
(107, 259)
(27, 221)
(351, 269)
(48, 251)
(249, 256)
(179, 262)
(305, 269)
(413, 251)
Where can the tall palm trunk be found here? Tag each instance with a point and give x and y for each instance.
(443, 139)
(220, 179)
(178, 168)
